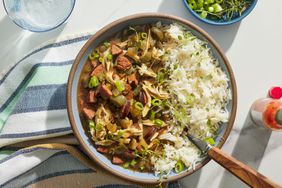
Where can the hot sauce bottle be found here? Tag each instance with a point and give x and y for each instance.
(268, 112)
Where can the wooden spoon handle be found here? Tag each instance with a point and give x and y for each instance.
(242, 171)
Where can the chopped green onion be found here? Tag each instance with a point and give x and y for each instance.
(106, 44)
(110, 57)
(156, 102)
(143, 35)
(152, 115)
(93, 82)
(159, 122)
(179, 167)
(211, 9)
(160, 77)
(190, 99)
(210, 141)
(110, 136)
(133, 162)
(101, 60)
(120, 133)
(210, 1)
(200, 4)
(142, 167)
(204, 14)
(99, 127)
(118, 100)
(96, 55)
(217, 7)
(136, 91)
(119, 85)
(179, 37)
(91, 57)
(193, 5)
(115, 92)
(187, 35)
(139, 105)
(91, 124)
(126, 165)
(219, 1)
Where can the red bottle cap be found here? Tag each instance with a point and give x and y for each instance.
(275, 92)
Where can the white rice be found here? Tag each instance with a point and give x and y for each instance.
(193, 72)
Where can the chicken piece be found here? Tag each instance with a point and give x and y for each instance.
(98, 70)
(126, 123)
(115, 50)
(146, 71)
(89, 113)
(123, 63)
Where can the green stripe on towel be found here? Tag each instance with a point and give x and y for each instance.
(50, 75)
(42, 75)
(5, 153)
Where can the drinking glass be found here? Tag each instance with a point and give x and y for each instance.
(39, 15)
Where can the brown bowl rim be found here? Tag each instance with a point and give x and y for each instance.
(156, 15)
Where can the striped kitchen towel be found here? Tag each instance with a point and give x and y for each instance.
(33, 98)
(33, 113)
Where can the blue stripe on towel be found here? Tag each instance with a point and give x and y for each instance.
(40, 98)
(62, 43)
(27, 77)
(39, 133)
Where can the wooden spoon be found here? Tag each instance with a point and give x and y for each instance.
(245, 173)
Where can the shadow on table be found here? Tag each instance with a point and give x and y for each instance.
(22, 39)
(224, 35)
(191, 181)
(249, 149)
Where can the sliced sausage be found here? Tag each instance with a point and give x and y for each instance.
(89, 113)
(125, 109)
(149, 132)
(117, 160)
(129, 154)
(143, 98)
(103, 150)
(123, 63)
(115, 49)
(98, 70)
(132, 79)
(92, 96)
(127, 89)
(129, 95)
(105, 92)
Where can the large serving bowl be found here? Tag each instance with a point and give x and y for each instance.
(82, 133)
